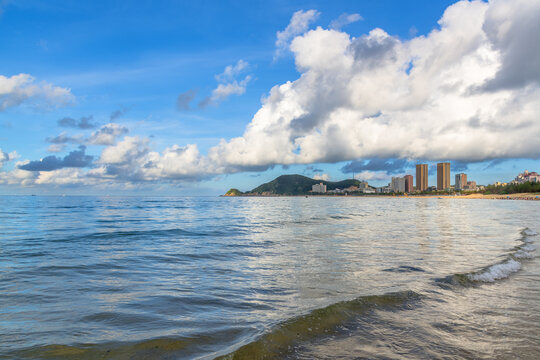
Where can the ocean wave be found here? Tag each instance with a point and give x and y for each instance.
(144, 234)
(520, 254)
(512, 264)
(502, 270)
(497, 271)
(281, 340)
(405, 268)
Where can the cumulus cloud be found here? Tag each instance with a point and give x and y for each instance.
(22, 88)
(76, 158)
(184, 99)
(509, 26)
(324, 177)
(107, 134)
(84, 122)
(231, 71)
(368, 175)
(132, 160)
(223, 91)
(228, 85)
(345, 19)
(299, 24)
(376, 96)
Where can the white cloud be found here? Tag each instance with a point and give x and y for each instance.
(21, 88)
(298, 25)
(345, 19)
(132, 160)
(18, 176)
(357, 98)
(231, 71)
(324, 177)
(5, 157)
(368, 175)
(107, 134)
(223, 91)
(125, 151)
(228, 85)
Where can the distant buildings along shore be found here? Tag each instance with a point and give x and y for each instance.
(405, 184)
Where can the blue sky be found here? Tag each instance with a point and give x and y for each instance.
(149, 81)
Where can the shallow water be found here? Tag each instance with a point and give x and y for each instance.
(289, 277)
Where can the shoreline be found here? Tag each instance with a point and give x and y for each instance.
(517, 196)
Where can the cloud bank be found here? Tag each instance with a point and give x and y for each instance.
(467, 91)
(375, 96)
(74, 159)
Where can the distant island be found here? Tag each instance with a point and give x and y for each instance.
(302, 185)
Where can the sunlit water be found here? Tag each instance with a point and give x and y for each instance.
(288, 277)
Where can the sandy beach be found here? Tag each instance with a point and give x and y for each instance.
(522, 196)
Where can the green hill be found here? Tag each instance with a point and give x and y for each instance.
(234, 192)
(298, 185)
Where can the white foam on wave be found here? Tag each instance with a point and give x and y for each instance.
(528, 240)
(498, 271)
(529, 232)
(528, 247)
(520, 254)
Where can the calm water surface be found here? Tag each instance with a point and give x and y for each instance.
(289, 277)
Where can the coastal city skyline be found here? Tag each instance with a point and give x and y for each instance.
(312, 88)
(405, 184)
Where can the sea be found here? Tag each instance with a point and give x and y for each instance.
(268, 278)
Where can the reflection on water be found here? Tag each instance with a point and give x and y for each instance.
(113, 277)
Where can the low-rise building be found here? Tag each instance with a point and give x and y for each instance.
(363, 185)
(471, 185)
(318, 188)
(384, 189)
(527, 176)
(368, 190)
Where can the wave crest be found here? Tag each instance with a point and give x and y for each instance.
(497, 271)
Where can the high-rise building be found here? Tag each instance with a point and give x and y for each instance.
(421, 177)
(398, 184)
(443, 176)
(409, 183)
(461, 181)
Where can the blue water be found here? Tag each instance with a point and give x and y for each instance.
(129, 277)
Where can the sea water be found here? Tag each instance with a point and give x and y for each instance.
(272, 277)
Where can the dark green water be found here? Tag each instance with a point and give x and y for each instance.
(248, 278)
